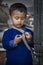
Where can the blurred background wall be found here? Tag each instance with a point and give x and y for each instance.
(34, 22)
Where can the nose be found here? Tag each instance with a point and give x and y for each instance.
(19, 19)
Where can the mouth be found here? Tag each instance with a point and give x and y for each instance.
(19, 24)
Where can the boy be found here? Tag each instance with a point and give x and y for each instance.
(16, 51)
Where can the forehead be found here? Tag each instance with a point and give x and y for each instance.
(18, 13)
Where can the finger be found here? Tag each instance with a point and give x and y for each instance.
(20, 36)
(26, 33)
(28, 37)
(16, 35)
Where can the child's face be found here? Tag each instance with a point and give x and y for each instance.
(18, 18)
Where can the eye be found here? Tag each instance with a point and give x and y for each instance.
(16, 18)
(22, 18)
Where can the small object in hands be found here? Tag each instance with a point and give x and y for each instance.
(18, 36)
(26, 41)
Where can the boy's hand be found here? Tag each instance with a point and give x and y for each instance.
(17, 39)
(28, 36)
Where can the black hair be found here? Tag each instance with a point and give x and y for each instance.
(18, 6)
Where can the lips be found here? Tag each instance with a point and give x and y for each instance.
(19, 24)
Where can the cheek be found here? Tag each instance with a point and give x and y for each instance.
(23, 22)
(15, 21)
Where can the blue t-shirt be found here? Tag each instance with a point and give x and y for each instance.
(17, 54)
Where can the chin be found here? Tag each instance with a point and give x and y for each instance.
(19, 26)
